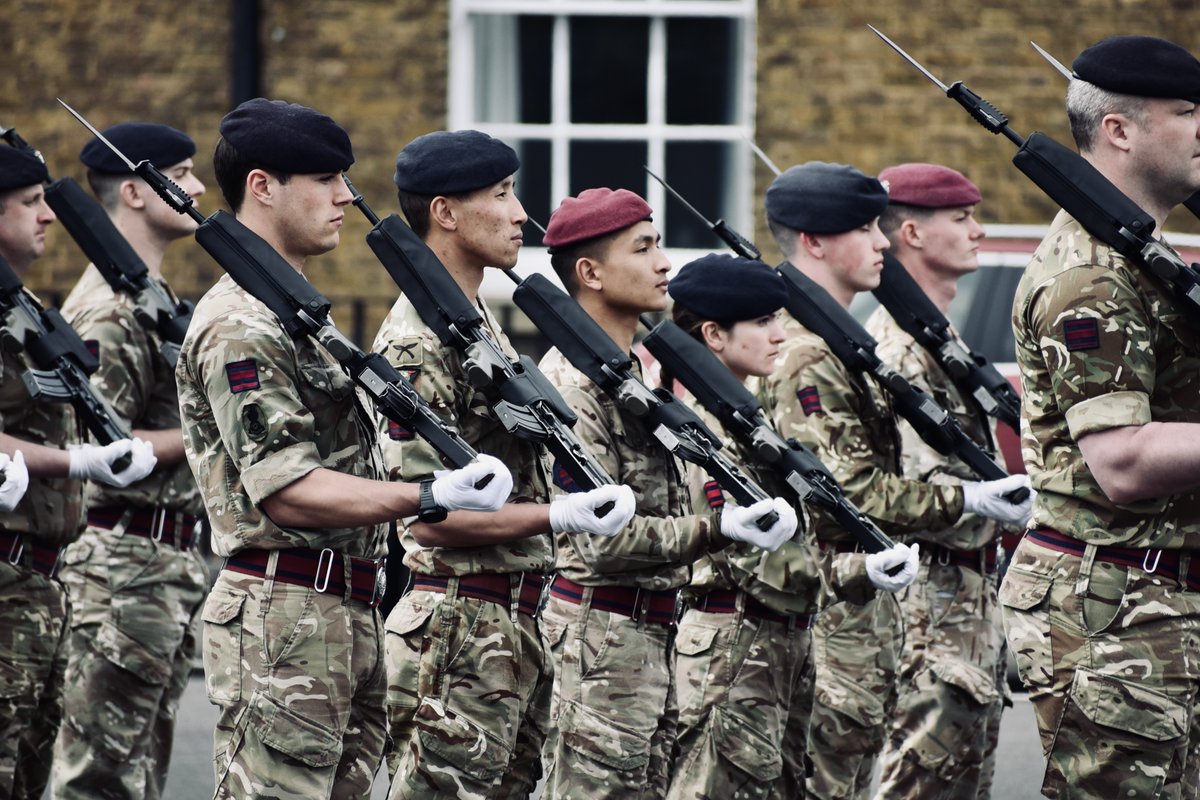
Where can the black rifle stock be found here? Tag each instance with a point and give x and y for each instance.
(973, 374)
(522, 398)
(727, 399)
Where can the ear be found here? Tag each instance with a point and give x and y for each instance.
(909, 234)
(588, 273)
(714, 336)
(260, 186)
(812, 244)
(1115, 129)
(132, 193)
(442, 213)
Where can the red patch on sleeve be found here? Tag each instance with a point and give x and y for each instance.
(810, 400)
(1081, 334)
(714, 495)
(243, 375)
(399, 432)
(93, 346)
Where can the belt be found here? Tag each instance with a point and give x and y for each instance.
(322, 570)
(495, 588)
(839, 547)
(969, 559)
(637, 604)
(159, 524)
(22, 552)
(726, 602)
(1150, 560)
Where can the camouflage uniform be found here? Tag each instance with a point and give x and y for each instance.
(297, 672)
(743, 709)
(468, 679)
(135, 601)
(952, 683)
(847, 421)
(614, 710)
(34, 608)
(1105, 637)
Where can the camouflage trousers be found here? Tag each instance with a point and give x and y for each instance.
(299, 679)
(856, 655)
(613, 715)
(1111, 657)
(467, 699)
(743, 719)
(135, 623)
(952, 687)
(34, 613)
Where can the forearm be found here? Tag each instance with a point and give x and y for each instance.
(41, 461)
(168, 446)
(1139, 462)
(327, 499)
(479, 529)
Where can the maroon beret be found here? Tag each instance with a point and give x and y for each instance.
(929, 186)
(593, 213)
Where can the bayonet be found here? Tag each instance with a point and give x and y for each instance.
(763, 156)
(738, 243)
(1054, 62)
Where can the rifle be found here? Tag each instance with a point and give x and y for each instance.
(1080, 190)
(302, 310)
(816, 310)
(91, 228)
(522, 398)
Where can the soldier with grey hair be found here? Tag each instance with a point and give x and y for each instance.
(1100, 601)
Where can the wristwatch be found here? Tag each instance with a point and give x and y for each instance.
(429, 510)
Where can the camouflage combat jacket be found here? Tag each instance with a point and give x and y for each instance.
(919, 461)
(260, 411)
(438, 374)
(138, 383)
(1100, 345)
(657, 548)
(847, 421)
(52, 509)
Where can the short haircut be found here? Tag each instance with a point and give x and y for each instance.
(1088, 104)
(231, 168)
(415, 208)
(107, 187)
(564, 259)
(785, 237)
(894, 215)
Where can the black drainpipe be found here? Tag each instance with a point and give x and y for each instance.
(247, 52)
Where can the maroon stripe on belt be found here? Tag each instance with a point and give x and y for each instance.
(726, 602)
(1150, 560)
(24, 551)
(637, 604)
(322, 570)
(152, 523)
(495, 588)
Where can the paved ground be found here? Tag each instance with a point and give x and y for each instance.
(1017, 776)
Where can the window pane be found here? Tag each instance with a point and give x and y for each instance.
(700, 172)
(609, 58)
(702, 70)
(512, 68)
(617, 165)
(533, 185)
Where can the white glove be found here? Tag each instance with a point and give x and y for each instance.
(93, 463)
(987, 499)
(576, 512)
(456, 489)
(741, 523)
(879, 564)
(16, 480)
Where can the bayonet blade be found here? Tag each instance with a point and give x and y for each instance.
(1054, 62)
(679, 197)
(910, 59)
(763, 156)
(98, 135)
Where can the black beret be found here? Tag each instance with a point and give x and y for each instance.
(161, 145)
(453, 162)
(20, 168)
(825, 198)
(1142, 66)
(728, 288)
(287, 137)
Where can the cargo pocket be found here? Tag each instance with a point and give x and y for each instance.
(745, 747)
(405, 633)
(590, 734)
(1027, 623)
(849, 698)
(462, 744)
(284, 731)
(973, 681)
(693, 665)
(222, 617)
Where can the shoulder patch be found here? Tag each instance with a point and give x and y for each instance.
(400, 433)
(93, 346)
(714, 495)
(243, 375)
(1081, 334)
(407, 353)
(563, 479)
(254, 422)
(810, 400)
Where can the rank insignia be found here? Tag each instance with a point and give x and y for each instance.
(243, 375)
(714, 495)
(400, 433)
(1081, 334)
(93, 347)
(810, 400)
(563, 479)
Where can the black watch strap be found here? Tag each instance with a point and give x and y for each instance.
(429, 511)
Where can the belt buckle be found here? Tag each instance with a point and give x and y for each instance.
(1150, 570)
(380, 582)
(319, 584)
(943, 556)
(158, 521)
(638, 612)
(16, 550)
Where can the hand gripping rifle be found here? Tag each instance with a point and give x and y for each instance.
(816, 310)
(1080, 190)
(302, 310)
(94, 232)
(523, 399)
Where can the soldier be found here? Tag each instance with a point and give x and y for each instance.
(135, 577)
(611, 611)
(742, 648)
(824, 218)
(33, 534)
(952, 683)
(285, 458)
(468, 678)
(1100, 600)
